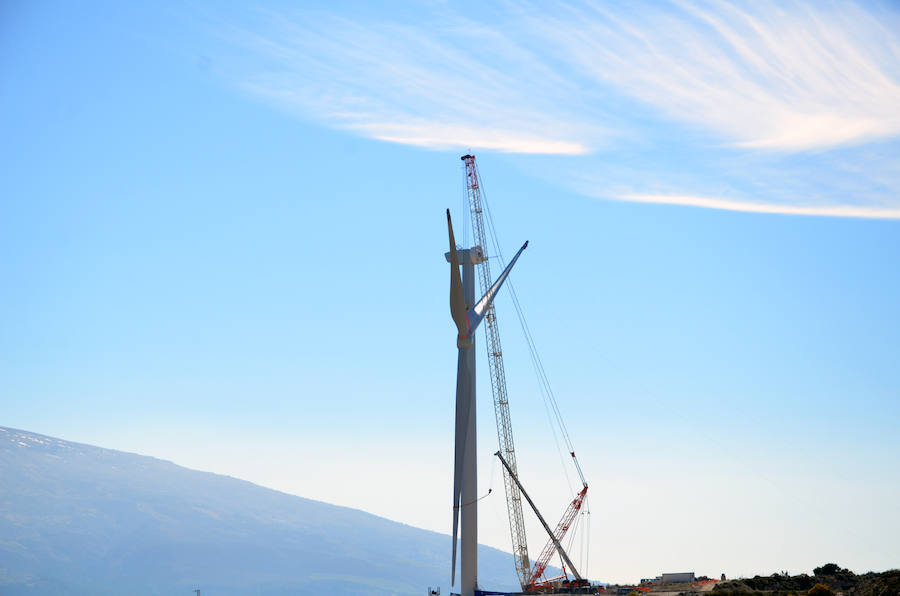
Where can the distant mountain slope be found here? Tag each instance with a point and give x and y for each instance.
(80, 520)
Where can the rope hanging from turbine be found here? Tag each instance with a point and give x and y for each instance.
(484, 496)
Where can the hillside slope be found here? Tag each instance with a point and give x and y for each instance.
(78, 520)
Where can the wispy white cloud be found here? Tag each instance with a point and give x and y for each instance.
(767, 76)
(770, 76)
(787, 108)
(437, 135)
(433, 89)
(727, 204)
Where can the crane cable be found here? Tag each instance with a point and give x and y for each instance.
(551, 406)
(550, 403)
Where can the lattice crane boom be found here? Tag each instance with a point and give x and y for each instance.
(498, 380)
(550, 548)
(533, 584)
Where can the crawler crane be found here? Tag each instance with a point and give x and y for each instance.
(531, 579)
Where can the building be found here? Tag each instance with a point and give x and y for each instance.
(677, 578)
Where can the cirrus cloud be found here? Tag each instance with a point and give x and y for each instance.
(781, 104)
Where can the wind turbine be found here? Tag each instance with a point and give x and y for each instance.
(467, 314)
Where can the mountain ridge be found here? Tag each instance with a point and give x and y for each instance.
(77, 519)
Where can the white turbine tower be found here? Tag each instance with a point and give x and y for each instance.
(467, 314)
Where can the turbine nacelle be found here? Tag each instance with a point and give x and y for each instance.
(465, 256)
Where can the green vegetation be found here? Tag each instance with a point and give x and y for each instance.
(831, 569)
(880, 584)
(828, 580)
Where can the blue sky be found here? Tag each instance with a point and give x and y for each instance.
(222, 237)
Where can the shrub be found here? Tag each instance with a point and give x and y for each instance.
(820, 590)
(830, 569)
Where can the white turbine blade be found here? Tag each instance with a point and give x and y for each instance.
(453, 563)
(477, 313)
(457, 300)
(463, 412)
(455, 532)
